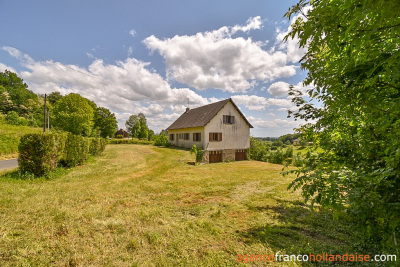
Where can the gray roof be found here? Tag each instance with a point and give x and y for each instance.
(201, 116)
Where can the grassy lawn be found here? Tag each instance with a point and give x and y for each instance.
(10, 136)
(146, 206)
(303, 150)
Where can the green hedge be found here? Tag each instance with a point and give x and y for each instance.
(42, 153)
(129, 141)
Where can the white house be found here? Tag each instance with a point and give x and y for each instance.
(219, 128)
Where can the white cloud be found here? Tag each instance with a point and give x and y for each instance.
(132, 32)
(126, 87)
(216, 60)
(4, 67)
(276, 123)
(252, 24)
(253, 102)
(280, 88)
(291, 46)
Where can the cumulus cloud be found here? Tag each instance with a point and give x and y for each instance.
(253, 102)
(126, 87)
(4, 67)
(217, 60)
(279, 89)
(276, 123)
(291, 47)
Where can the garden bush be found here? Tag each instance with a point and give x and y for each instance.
(41, 153)
(161, 140)
(135, 141)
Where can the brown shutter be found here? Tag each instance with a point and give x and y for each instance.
(219, 136)
(210, 137)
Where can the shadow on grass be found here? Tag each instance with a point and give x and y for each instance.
(299, 230)
(16, 174)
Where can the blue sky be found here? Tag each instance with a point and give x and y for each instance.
(150, 56)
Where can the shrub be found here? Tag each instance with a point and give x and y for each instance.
(13, 119)
(41, 153)
(38, 153)
(129, 141)
(161, 140)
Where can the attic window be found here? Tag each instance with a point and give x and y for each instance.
(228, 119)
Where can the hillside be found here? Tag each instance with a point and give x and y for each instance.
(149, 206)
(10, 136)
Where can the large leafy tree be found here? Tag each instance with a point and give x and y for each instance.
(74, 113)
(133, 126)
(144, 129)
(53, 97)
(15, 96)
(353, 59)
(105, 122)
(136, 125)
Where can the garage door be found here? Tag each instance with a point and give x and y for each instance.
(215, 156)
(240, 155)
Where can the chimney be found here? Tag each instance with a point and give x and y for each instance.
(187, 109)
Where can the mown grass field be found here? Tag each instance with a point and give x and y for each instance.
(10, 136)
(142, 205)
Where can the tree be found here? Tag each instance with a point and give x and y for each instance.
(105, 121)
(15, 96)
(73, 113)
(144, 130)
(53, 97)
(133, 126)
(353, 59)
(136, 125)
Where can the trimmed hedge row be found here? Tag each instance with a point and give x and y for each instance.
(130, 141)
(41, 153)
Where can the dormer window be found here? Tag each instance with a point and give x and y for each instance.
(227, 119)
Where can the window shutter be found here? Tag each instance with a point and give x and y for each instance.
(210, 136)
(219, 136)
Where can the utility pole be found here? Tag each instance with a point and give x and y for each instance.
(44, 114)
(48, 121)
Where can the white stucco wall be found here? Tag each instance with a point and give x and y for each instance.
(234, 136)
(188, 143)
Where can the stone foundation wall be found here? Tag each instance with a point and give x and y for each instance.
(228, 155)
(205, 158)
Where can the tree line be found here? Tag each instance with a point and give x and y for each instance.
(71, 113)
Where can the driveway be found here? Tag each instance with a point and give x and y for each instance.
(8, 164)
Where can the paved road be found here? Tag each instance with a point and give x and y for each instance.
(8, 164)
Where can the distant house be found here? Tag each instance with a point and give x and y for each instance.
(219, 128)
(120, 133)
(296, 142)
